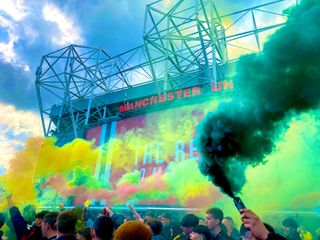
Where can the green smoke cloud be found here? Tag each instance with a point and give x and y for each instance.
(268, 87)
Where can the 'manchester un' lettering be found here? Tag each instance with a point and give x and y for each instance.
(171, 96)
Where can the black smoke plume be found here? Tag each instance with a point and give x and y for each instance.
(283, 80)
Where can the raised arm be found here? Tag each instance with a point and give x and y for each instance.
(135, 213)
(107, 211)
(253, 223)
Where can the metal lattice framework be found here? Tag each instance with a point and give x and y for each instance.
(74, 76)
(187, 40)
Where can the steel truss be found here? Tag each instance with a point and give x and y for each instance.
(185, 41)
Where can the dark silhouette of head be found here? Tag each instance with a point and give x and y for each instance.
(203, 231)
(188, 222)
(291, 223)
(66, 222)
(48, 225)
(156, 226)
(103, 228)
(39, 217)
(51, 219)
(290, 227)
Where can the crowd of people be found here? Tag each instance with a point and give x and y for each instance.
(84, 224)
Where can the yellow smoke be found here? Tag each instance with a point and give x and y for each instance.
(53, 159)
(41, 158)
(19, 179)
(166, 128)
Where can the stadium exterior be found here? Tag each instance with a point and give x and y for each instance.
(187, 45)
(189, 56)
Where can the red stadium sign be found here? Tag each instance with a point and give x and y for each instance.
(174, 95)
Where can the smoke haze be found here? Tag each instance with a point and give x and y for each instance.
(282, 80)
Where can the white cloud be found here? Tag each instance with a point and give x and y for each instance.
(8, 150)
(16, 9)
(69, 31)
(10, 25)
(16, 127)
(5, 22)
(26, 68)
(7, 52)
(31, 34)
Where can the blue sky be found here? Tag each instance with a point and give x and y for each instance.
(31, 28)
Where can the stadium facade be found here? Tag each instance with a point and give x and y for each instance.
(188, 57)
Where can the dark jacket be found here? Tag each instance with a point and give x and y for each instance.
(222, 236)
(19, 224)
(170, 231)
(235, 234)
(67, 237)
(34, 234)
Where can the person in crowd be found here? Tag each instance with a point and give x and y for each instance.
(200, 232)
(214, 217)
(103, 228)
(24, 226)
(20, 225)
(35, 232)
(133, 230)
(66, 225)
(135, 214)
(84, 233)
(188, 222)
(48, 226)
(117, 219)
(170, 227)
(156, 228)
(256, 228)
(247, 235)
(290, 227)
(148, 216)
(232, 231)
